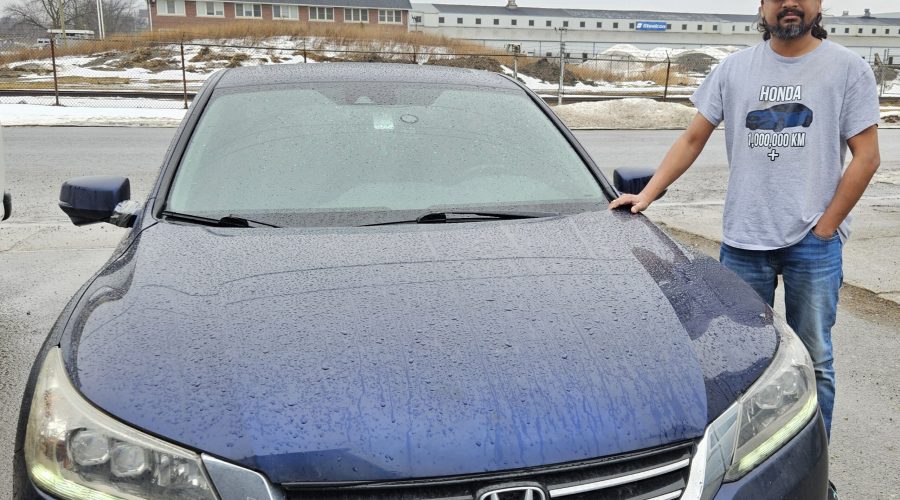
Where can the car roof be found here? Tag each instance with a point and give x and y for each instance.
(280, 74)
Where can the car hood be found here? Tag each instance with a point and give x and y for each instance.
(416, 351)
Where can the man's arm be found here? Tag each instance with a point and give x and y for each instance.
(680, 157)
(866, 160)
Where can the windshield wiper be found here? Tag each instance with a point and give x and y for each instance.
(227, 221)
(479, 216)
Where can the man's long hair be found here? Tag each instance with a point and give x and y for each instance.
(817, 30)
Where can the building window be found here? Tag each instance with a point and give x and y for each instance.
(531, 22)
(170, 7)
(699, 27)
(549, 54)
(733, 28)
(615, 26)
(514, 22)
(582, 24)
(684, 27)
(390, 16)
(549, 23)
(321, 13)
(565, 24)
(584, 56)
(210, 9)
(360, 16)
(874, 31)
(887, 32)
(440, 20)
(715, 27)
(599, 24)
(846, 31)
(496, 22)
(248, 10)
(477, 20)
(631, 26)
(860, 31)
(747, 28)
(669, 27)
(459, 20)
(285, 12)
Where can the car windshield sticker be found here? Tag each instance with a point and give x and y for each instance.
(776, 119)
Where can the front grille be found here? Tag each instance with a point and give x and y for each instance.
(658, 474)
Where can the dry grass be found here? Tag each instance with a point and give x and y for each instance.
(312, 37)
(655, 73)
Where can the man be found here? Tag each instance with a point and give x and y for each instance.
(791, 106)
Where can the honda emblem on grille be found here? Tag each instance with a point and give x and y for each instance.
(517, 492)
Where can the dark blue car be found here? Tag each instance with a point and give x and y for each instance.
(780, 117)
(403, 282)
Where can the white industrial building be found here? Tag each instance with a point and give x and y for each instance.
(590, 32)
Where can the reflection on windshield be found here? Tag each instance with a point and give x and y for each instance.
(366, 148)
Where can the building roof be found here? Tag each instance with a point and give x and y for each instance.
(639, 15)
(371, 4)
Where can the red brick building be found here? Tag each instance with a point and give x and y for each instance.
(174, 14)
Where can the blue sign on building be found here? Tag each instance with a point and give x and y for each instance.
(650, 26)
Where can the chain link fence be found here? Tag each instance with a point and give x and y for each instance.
(137, 73)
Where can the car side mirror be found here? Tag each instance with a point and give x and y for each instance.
(88, 200)
(633, 180)
(7, 206)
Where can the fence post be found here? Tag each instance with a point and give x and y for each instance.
(668, 72)
(183, 74)
(414, 56)
(53, 62)
(883, 83)
(516, 66)
(304, 51)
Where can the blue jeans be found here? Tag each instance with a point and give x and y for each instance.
(812, 274)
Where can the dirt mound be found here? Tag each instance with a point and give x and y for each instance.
(694, 62)
(548, 71)
(149, 58)
(32, 68)
(471, 62)
(208, 55)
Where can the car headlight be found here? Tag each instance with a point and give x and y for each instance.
(75, 451)
(768, 415)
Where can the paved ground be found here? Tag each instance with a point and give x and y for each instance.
(44, 260)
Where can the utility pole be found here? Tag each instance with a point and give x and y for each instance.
(562, 62)
(515, 49)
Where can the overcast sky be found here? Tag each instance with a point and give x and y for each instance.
(834, 7)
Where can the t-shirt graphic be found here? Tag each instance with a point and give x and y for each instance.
(778, 118)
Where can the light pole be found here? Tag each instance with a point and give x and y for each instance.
(562, 63)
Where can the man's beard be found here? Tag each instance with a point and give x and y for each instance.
(792, 31)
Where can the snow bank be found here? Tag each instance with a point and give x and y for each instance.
(660, 53)
(628, 113)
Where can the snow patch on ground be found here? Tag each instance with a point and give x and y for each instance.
(630, 113)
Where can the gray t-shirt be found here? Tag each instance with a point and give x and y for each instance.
(787, 121)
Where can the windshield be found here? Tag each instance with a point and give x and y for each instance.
(356, 153)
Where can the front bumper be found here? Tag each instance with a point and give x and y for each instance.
(799, 470)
